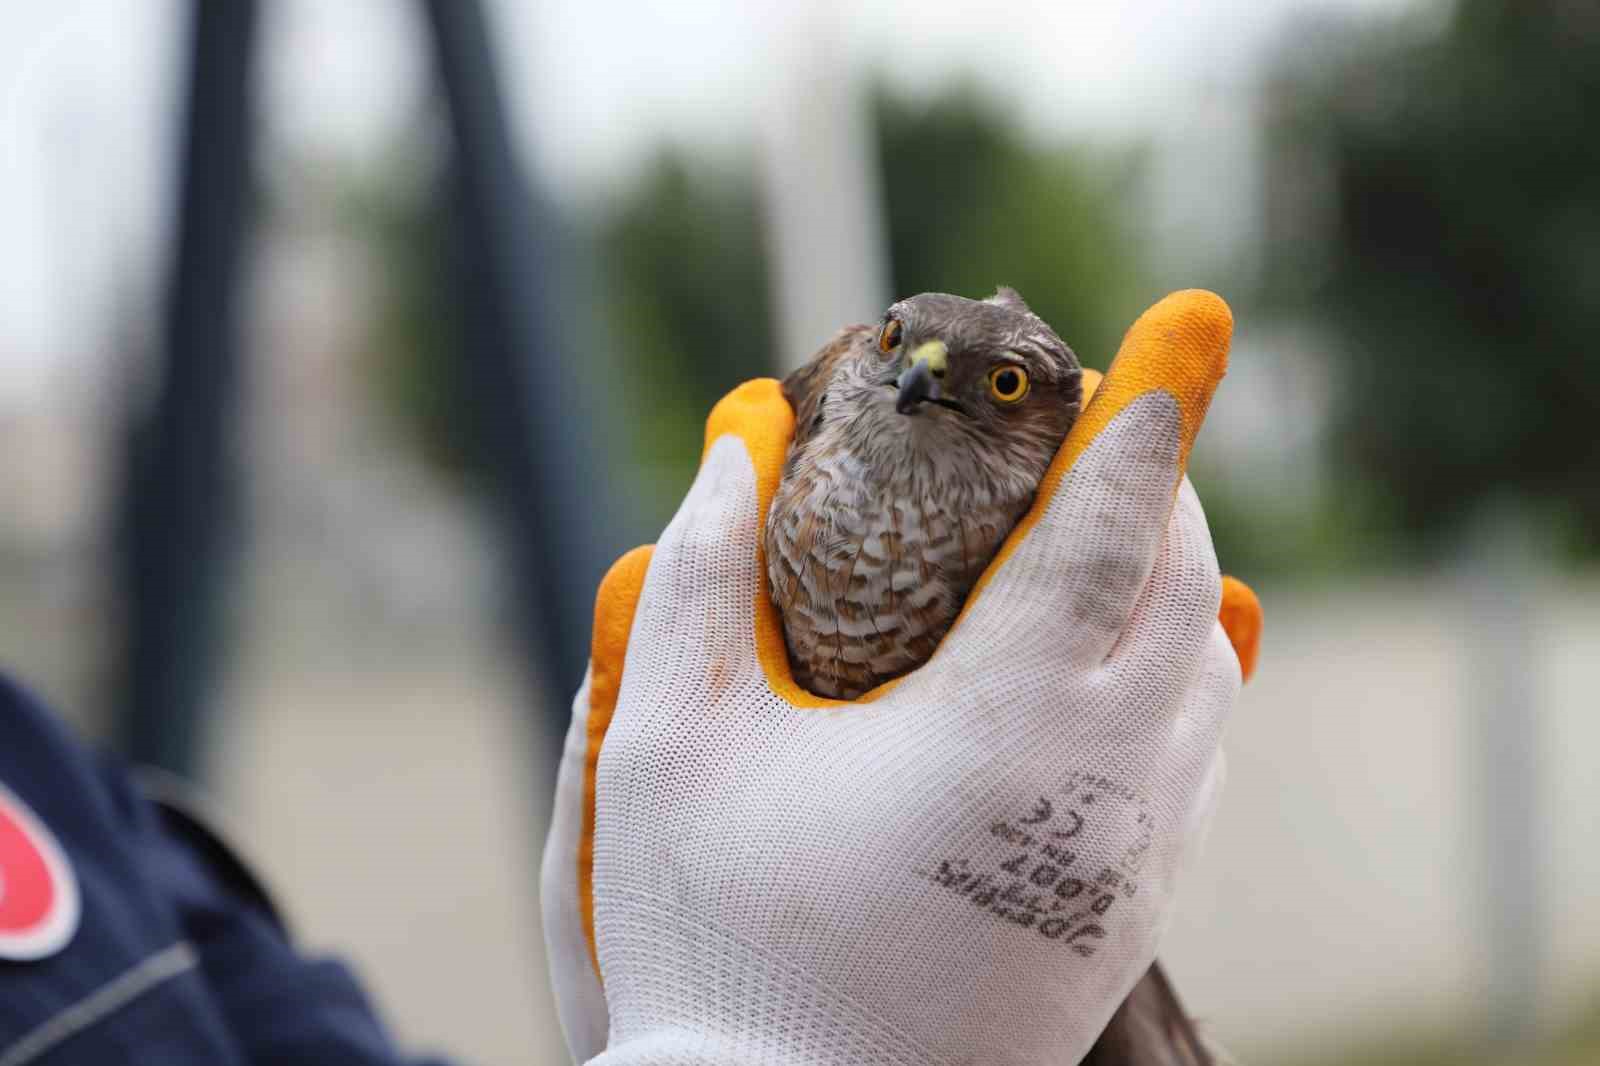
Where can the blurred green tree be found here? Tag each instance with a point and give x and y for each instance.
(972, 203)
(400, 215)
(683, 278)
(684, 305)
(1434, 205)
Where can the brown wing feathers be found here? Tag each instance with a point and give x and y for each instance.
(807, 387)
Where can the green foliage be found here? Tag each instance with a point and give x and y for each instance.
(972, 203)
(684, 305)
(1438, 211)
(1258, 536)
(414, 334)
(686, 302)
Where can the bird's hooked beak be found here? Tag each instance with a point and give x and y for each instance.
(921, 378)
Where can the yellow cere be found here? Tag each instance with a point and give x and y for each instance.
(935, 354)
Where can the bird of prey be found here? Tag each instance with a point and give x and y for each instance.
(919, 443)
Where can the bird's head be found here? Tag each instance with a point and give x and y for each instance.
(983, 359)
(980, 385)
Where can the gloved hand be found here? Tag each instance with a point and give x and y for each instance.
(973, 863)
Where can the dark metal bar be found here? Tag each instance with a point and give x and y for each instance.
(178, 505)
(542, 449)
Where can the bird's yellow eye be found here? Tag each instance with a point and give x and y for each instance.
(889, 339)
(1008, 384)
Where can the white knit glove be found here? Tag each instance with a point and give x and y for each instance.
(973, 864)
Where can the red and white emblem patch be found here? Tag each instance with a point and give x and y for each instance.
(38, 893)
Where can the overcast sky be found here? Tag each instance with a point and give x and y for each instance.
(87, 93)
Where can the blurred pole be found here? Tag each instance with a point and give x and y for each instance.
(1502, 688)
(541, 447)
(826, 233)
(178, 492)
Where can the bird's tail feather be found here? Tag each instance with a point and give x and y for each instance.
(1151, 1028)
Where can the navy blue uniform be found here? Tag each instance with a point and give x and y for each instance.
(177, 957)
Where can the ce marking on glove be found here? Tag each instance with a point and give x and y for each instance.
(1041, 877)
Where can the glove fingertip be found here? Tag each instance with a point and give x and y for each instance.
(1240, 615)
(1179, 345)
(614, 607)
(757, 414)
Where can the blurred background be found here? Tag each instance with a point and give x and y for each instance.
(343, 345)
